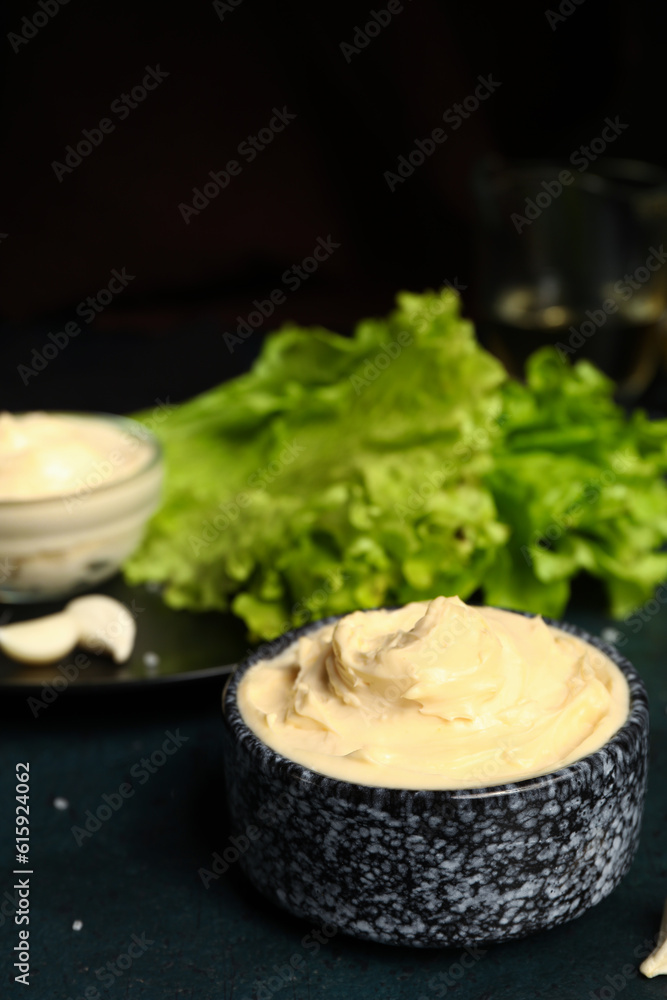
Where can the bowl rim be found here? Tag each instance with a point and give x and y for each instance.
(141, 433)
(635, 728)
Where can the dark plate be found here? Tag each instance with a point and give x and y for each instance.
(171, 646)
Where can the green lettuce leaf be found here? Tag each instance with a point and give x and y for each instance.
(399, 464)
(580, 487)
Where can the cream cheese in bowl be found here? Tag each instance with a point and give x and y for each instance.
(76, 490)
(46, 455)
(436, 775)
(435, 695)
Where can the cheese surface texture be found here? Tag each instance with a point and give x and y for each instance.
(437, 694)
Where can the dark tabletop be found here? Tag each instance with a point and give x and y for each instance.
(153, 924)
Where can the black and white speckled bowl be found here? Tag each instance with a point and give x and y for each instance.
(437, 868)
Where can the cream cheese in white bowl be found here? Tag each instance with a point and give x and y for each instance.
(76, 490)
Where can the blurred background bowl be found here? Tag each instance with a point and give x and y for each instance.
(60, 545)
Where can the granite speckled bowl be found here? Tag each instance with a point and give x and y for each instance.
(437, 868)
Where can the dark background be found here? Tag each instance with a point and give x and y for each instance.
(162, 337)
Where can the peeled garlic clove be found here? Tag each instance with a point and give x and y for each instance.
(42, 640)
(656, 963)
(103, 625)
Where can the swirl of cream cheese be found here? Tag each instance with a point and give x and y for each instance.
(435, 695)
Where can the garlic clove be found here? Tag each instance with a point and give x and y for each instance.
(103, 625)
(42, 640)
(656, 963)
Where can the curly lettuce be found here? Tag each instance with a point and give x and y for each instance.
(398, 464)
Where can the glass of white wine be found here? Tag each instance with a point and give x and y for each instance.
(575, 259)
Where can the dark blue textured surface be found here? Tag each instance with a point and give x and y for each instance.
(138, 874)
